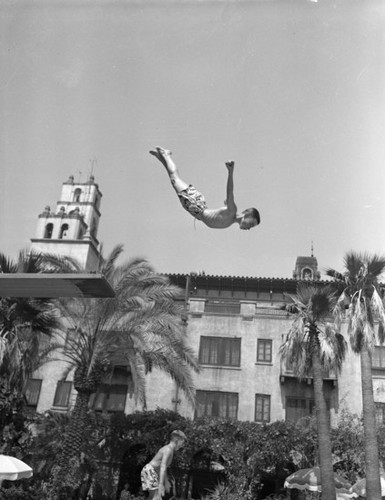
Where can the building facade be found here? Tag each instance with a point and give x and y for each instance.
(236, 326)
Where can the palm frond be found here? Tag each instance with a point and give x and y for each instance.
(107, 264)
(381, 333)
(53, 263)
(377, 306)
(332, 273)
(7, 265)
(375, 266)
(295, 352)
(333, 347)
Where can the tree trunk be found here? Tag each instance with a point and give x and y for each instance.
(67, 475)
(373, 482)
(77, 425)
(323, 427)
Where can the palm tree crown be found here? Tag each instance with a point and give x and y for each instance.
(140, 327)
(312, 307)
(361, 298)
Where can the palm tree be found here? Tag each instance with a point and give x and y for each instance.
(25, 322)
(361, 300)
(140, 328)
(313, 345)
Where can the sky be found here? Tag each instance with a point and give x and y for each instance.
(292, 90)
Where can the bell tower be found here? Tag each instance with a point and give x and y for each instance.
(306, 268)
(72, 228)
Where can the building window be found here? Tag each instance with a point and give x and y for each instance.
(378, 360)
(62, 394)
(222, 351)
(63, 231)
(380, 413)
(262, 408)
(297, 408)
(216, 404)
(264, 350)
(307, 274)
(48, 231)
(77, 194)
(32, 391)
(111, 396)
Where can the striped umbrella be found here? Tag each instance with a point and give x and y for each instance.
(310, 479)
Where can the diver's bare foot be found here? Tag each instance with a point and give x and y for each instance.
(159, 157)
(163, 152)
(162, 155)
(230, 165)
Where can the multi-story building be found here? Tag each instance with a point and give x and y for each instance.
(235, 324)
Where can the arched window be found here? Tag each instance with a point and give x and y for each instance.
(77, 194)
(75, 212)
(63, 231)
(48, 230)
(307, 274)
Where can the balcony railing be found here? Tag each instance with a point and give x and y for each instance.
(271, 311)
(226, 308)
(289, 373)
(223, 307)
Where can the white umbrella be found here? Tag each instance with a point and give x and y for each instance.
(359, 488)
(12, 468)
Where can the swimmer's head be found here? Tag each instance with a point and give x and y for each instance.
(179, 438)
(250, 218)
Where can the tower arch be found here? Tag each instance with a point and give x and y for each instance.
(63, 231)
(48, 230)
(77, 194)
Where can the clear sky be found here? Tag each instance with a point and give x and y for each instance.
(293, 91)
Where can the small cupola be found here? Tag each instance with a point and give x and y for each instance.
(306, 268)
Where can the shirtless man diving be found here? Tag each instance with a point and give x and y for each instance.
(194, 202)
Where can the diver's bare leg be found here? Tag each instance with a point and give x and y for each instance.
(164, 156)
